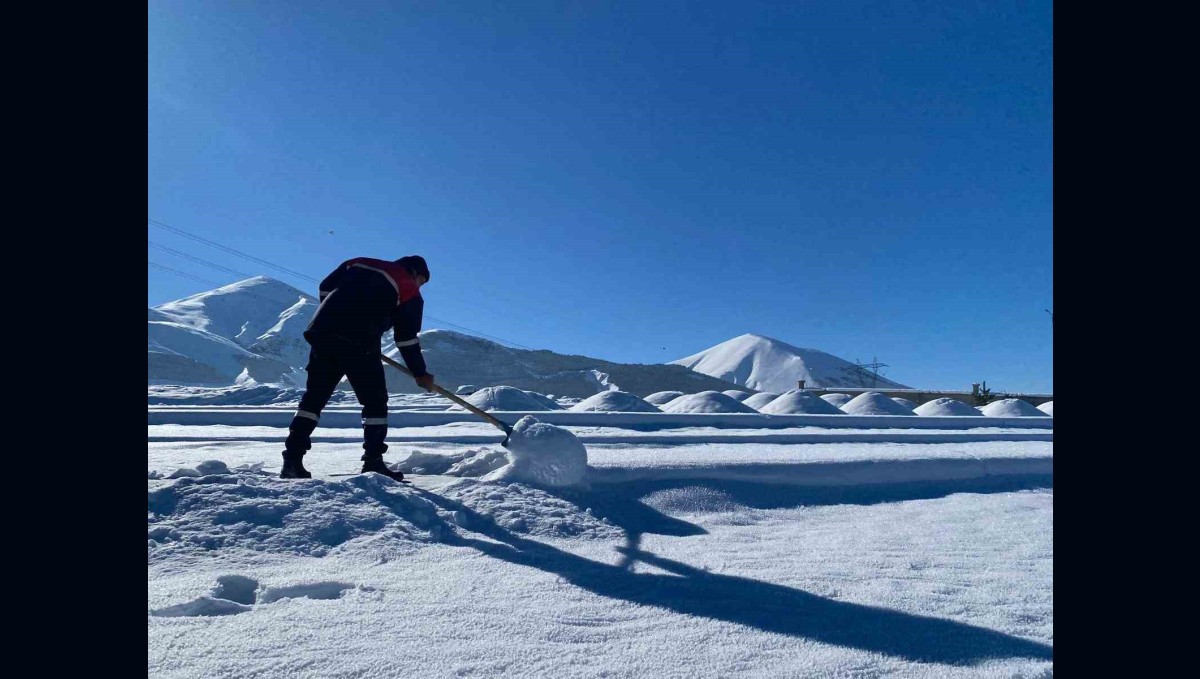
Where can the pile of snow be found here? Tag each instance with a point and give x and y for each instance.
(614, 402)
(905, 402)
(528, 510)
(800, 402)
(767, 364)
(1011, 407)
(255, 511)
(947, 407)
(706, 402)
(1047, 407)
(836, 400)
(507, 398)
(760, 399)
(466, 390)
(874, 403)
(661, 398)
(471, 462)
(542, 454)
(737, 395)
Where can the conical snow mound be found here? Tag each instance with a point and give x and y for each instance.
(800, 403)
(614, 402)
(1011, 407)
(874, 403)
(946, 407)
(659, 398)
(905, 402)
(737, 395)
(1047, 407)
(760, 399)
(503, 398)
(706, 402)
(836, 400)
(766, 364)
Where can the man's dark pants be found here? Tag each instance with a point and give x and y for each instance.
(328, 362)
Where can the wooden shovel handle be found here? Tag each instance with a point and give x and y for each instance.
(503, 427)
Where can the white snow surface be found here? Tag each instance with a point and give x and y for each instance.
(706, 402)
(796, 402)
(837, 400)
(737, 394)
(667, 560)
(1047, 407)
(762, 398)
(947, 407)
(661, 398)
(905, 402)
(615, 402)
(767, 364)
(542, 454)
(875, 403)
(1011, 407)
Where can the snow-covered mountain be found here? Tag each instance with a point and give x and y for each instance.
(253, 330)
(767, 364)
(211, 338)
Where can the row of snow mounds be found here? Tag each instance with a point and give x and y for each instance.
(706, 402)
(614, 402)
(508, 398)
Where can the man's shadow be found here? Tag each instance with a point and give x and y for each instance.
(761, 605)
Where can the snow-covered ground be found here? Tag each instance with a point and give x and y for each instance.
(689, 551)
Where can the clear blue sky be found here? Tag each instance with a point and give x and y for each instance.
(635, 181)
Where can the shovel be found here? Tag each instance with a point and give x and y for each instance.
(497, 423)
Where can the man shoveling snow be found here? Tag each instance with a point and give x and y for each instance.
(359, 301)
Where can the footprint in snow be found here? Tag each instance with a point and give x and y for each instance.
(235, 594)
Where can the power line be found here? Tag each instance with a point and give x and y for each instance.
(205, 262)
(177, 272)
(230, 250)
(264, 262)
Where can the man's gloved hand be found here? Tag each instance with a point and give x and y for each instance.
(425, 381)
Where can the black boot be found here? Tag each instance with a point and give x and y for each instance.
(293, 467)
(375, 464)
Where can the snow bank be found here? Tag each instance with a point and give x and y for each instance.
(836, 400)
(614, 402)
(947, 407)
(737, 395)
(542, 454)
(905, 402)
(760, 399)
(874, 403)
(1047, 407)
(506, 398)
(258, 512)
(1011, 407)
(800, 402)
(660, 398)
(706, 402)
